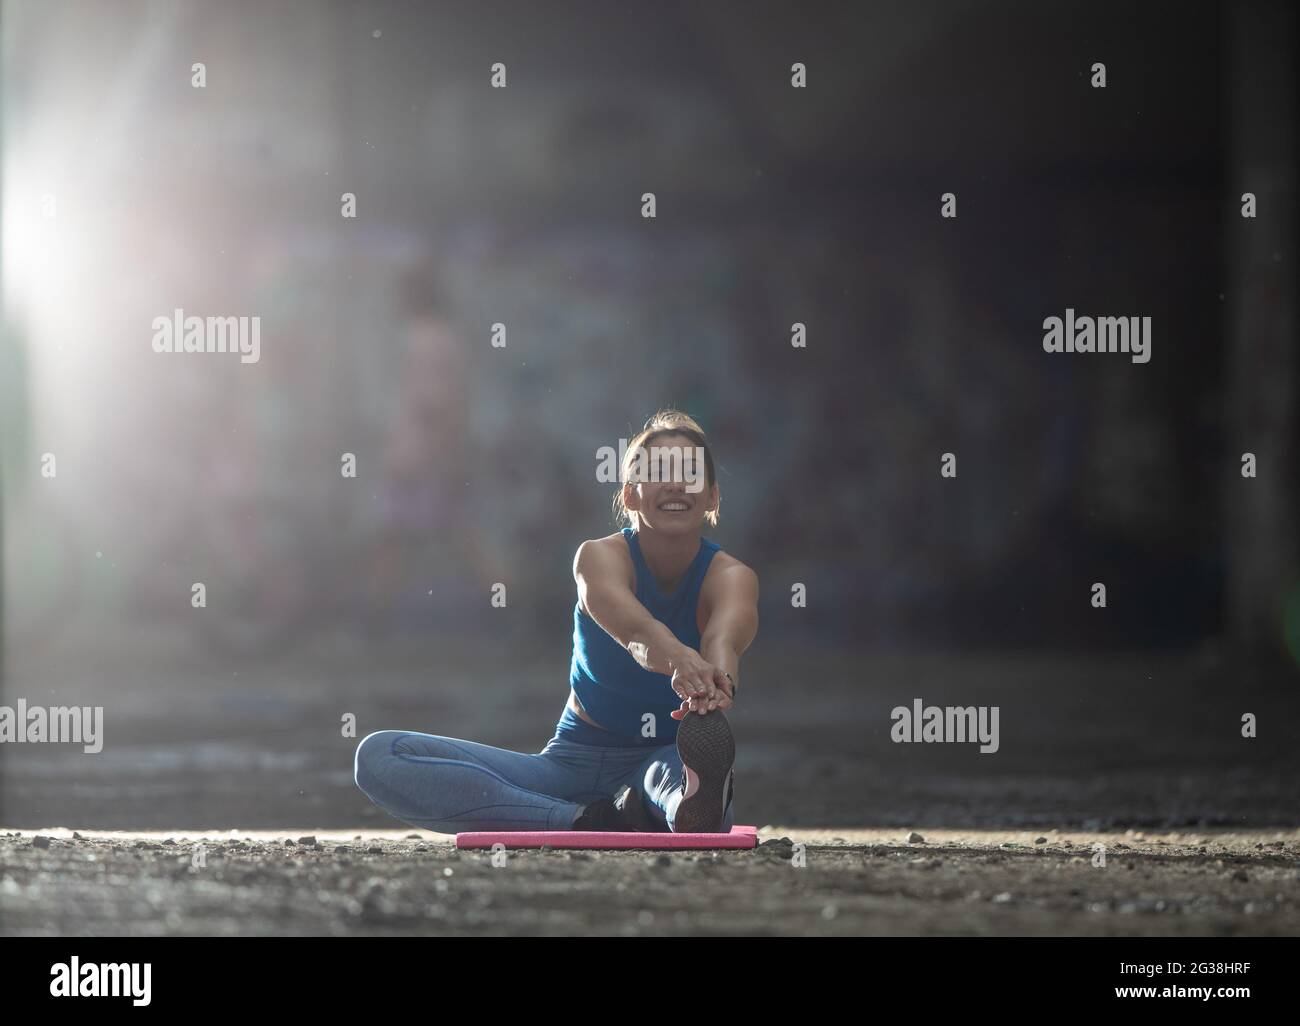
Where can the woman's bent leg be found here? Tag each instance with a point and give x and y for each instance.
(448, 785)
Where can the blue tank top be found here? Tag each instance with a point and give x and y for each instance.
(613, 688)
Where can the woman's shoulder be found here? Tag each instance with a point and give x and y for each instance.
(726, 567)
(728, 580)
(607, 555)
(616, 542)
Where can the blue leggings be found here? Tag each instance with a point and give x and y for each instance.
(448, 785)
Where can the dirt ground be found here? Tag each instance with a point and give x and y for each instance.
(1143, 755)
(851, 883)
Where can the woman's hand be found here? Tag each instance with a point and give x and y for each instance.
(720, 702)
(701, 686)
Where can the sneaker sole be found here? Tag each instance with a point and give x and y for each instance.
(708, 751)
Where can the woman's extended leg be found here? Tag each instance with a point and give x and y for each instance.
(659, 780)
(447, 784)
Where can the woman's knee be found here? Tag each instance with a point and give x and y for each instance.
(373, 750)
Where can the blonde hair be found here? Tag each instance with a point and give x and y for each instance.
(665, 422)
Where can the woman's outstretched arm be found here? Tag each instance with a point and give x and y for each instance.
(732, 604)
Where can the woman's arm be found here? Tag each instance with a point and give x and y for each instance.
(731, 598)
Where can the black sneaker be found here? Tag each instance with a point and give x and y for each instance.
(624, 813)
(631, 810)
(598, 815)
(708, 752)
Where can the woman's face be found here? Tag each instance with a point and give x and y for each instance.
(669, 487)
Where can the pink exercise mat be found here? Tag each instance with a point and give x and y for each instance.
(740, 837)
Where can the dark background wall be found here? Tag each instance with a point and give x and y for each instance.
(522, 206)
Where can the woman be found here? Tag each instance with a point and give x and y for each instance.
(661, 620)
